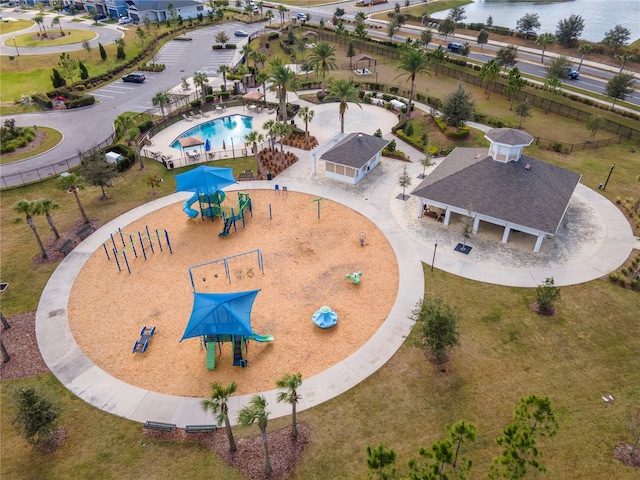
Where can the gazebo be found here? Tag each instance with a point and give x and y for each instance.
(189, 142)
(253, 98)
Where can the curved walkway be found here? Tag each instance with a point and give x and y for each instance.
(76, 371)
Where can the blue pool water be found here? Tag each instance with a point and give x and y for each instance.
(220, 130)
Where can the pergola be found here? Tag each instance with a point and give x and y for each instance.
(365, 58)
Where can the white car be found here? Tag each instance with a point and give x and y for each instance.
(125, 20)
(301, 16)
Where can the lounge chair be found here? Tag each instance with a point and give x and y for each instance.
(188, 119)
(205, 115)
(196, 115)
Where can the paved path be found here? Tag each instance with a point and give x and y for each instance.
(569, 259)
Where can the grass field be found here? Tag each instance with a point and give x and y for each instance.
(53, 137)
(588, 350)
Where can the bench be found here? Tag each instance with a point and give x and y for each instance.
(200, 428)
(145, 334)
(246, 175)
(163, 427)
(85, 232)
(67, 247)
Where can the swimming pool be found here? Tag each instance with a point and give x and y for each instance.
(220, 131)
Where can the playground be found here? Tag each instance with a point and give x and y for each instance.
(307, 247)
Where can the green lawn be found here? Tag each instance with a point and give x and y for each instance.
(10, 27)
(71, 37)
(52, 139)
(588, 350)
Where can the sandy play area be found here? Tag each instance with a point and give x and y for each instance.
(305, 263)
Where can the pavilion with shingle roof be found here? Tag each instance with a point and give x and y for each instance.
(503, 187)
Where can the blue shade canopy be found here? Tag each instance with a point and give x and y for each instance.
(221, 314)
(204, 179)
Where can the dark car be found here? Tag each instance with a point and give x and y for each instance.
(134, 78)
(240, 33)
(99, 16)
(572, 74)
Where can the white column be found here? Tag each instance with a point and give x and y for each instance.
(505, 235)
(541, 237)
(313, 164)
(420, 208)
(476, 224)
(447, 216)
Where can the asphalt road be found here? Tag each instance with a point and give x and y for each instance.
(83, 128)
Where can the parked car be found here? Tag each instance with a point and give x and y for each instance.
(99, 16)
(573, 74)
(240, 33)
(135, 77)
(125, 20)
(301, 16)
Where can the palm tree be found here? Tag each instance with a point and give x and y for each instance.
(124, 123)
(282, 10)
(413, 61)
(72, 183)
(258, 58)
(345, 91)
(29, 209)
(247, 50)
(306, 114)
(291, 383)
(46, 206)
(56, 21)
(323, 58)
(281, 79)
(544, 40)
(253, 138)
(224, 69)
(438, 56)
(257, 411)
(283, 130)
(200, 79)
(161, 99)
(584, 49)
(261, 79)
(219, 407)
(270, 127)
(39, 19)
(269, 15)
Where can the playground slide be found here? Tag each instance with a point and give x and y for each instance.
(186, 206)
(211, 355)
(227, 227)
(262, 338)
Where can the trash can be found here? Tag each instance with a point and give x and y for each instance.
(170, 164)
(269, 175)
(599, 186)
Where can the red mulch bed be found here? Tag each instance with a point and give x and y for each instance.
(622, 452)
(284, 452)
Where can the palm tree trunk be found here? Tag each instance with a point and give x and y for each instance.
(341, 122)
(294, 427)
(53, 227)
(35, 232)
(266, 453)
(84, 215)
(5, 323)
(4, 353)
(232, 441)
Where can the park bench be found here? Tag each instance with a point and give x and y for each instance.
(85, 232)
(246, 175)
(163, 427)
(200, 428)
(145, 334)
(67, 247)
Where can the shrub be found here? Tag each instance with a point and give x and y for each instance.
(547, 295)
(129, 156)
(80, 101)
(196, 103)
(36, 416)
(556, 147)
(145, 126)
(209, 98)
(457, 134)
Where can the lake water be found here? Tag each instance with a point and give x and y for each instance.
(599, 16)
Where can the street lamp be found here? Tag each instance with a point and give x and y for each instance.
(613, 165)
(16, 45)
(434, 255)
